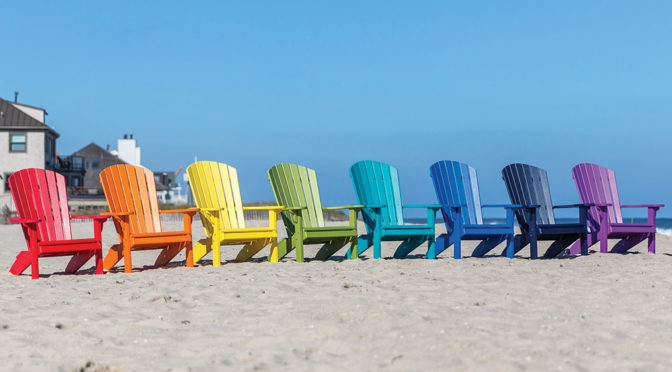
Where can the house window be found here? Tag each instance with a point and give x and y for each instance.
(94, 164)
(50, 148)
(76, 162)
(75, 181)
(5, 178)
(17, 142)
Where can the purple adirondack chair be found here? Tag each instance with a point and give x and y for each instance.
(597, 185)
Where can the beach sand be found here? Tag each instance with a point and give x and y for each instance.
(600, 312)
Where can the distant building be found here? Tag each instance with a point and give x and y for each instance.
(169, 189)
(91, 159)
(25, 142)
(128, 150)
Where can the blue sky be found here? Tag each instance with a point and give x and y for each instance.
(325, 84)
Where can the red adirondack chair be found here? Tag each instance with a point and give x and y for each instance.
(42, 207)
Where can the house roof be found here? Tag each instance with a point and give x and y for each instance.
(93, 147)
(13, 118)
(31, 106)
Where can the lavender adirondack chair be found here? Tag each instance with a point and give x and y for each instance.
(597, 185)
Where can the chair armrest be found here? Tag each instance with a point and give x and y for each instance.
(354, 207)
(457, 206)
(508, 206)
(643, 206)
(118, 214)
(430, 206)
(294, 209)
(23, 220)
(191, 211)
(585, 205)
(103, 218)
(264, 207)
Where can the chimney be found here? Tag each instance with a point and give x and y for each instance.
(131, 136)
(16, 97)
(125, 136)
(107, 148)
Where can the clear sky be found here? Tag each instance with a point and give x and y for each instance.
(325, 84)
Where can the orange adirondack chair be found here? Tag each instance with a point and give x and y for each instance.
(131, 196)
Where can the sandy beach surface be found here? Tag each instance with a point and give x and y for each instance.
(600, 312)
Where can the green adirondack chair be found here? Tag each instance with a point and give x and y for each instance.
(377, 187)
(295, 188)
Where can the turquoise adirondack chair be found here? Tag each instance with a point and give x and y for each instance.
(377, 188)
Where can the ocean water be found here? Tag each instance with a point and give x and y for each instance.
(663, 225)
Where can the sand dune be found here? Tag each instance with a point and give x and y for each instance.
(600, 312)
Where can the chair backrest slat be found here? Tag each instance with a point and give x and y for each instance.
(296, 186)
(40, 194)
(130, 188)
(528, 185)
(377, 183)
(456, 183)
(597, 184)
(215, 185)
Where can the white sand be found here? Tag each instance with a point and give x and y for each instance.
(600, 312)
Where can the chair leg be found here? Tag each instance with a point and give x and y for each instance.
(114, 255)
(99, 261)
(408, 245)
(431, 247)
(584, 245)
(78, 260)
(509, 246)
(354, 249)
(533, 246)
(604, 242)
(250, 249)
(441, 244)
(333, 246)
(23, 260)
(376, 245)
(457, 246)
(298, 243)
(652, 243)
(170, 252)
(201, 248)
(215, 247)
(274, 256)
(189, 253)
(34, 268)
(128, 265)
(364, 242)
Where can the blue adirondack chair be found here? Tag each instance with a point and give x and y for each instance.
(456, 186)
(377, 188)
(528, 185)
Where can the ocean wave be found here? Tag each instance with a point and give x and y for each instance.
(667, 232)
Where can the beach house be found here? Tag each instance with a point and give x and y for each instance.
(92, 159)
(170, 187)
(26, 141)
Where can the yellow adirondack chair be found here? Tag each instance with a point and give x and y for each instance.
(217, 195)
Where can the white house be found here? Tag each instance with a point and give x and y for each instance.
(25, 142)
(128, 150)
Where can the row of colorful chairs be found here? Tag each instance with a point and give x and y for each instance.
(42, 208)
